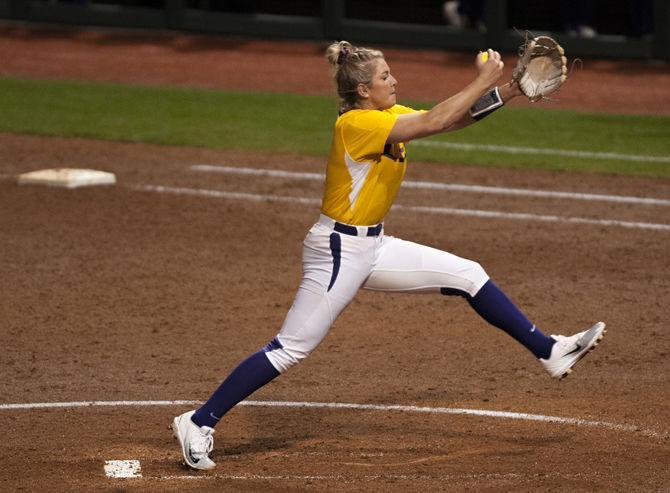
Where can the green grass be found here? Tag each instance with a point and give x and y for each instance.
(295, 123)
(171, 116)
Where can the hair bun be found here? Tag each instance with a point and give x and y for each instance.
(342, 56)
(338, 53)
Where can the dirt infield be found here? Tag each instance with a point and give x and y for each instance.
(120, 293)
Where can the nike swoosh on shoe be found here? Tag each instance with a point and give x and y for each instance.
(576, 350)
(190, 456)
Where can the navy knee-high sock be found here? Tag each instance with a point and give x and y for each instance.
(249, 376)
(498, 310)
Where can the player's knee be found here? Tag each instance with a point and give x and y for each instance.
(285, 355)
(477, 277)
(477, 272)
(471, 277)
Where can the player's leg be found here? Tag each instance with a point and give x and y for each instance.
(334, 268)
(404, 266)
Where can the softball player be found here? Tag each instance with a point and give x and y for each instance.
(348, 249)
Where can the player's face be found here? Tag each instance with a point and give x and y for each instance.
(381, 91)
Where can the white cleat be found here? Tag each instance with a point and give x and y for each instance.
(196, 441)
(569, 350)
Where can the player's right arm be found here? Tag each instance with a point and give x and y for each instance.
(444, 116)
(506, 92)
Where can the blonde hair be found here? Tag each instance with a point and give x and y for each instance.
(352, 65)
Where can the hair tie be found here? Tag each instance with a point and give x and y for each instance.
(342, 57)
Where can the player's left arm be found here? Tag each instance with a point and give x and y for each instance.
(487, 105)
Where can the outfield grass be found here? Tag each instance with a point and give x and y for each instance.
(289, 122)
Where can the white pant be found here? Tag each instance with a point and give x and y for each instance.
(382, 263)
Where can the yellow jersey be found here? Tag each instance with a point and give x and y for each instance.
(364, 172)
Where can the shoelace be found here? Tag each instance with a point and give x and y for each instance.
(203, 441)
(563, 345)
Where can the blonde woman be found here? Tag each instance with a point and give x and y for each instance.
(347, 249)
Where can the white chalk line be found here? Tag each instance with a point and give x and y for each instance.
(75, 404)
(376, 477)
(352, 406)
(460, 411)
(259, 477)
(454, 187)
(536, 217)
(421, 209)
(544, 151)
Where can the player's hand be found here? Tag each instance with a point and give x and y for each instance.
(489, 66)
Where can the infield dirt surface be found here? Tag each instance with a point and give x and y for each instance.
(116, 293)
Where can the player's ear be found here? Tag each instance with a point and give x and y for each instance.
(363, 91)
